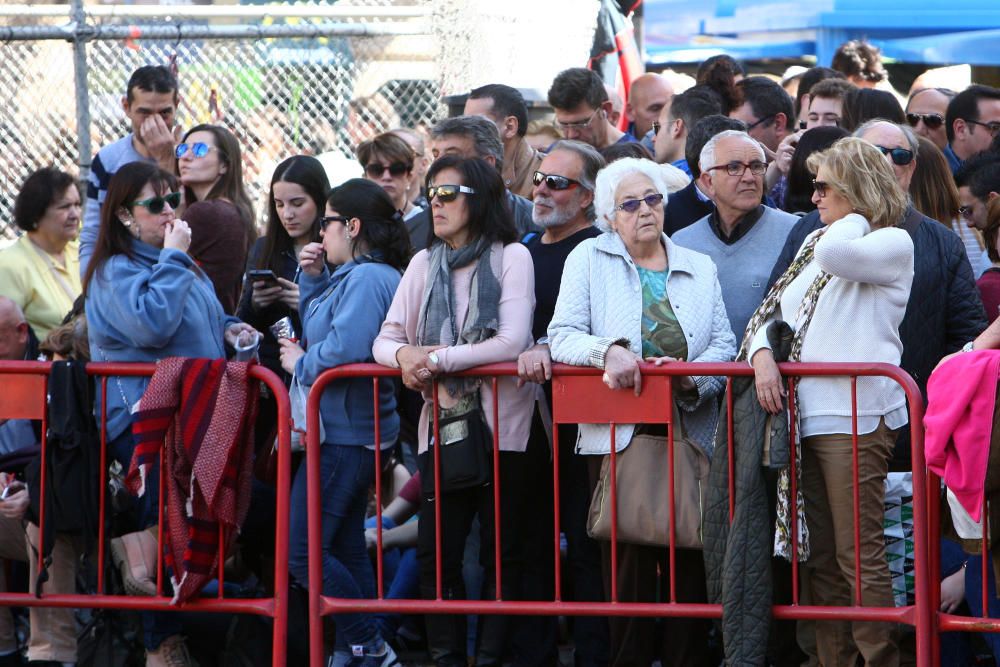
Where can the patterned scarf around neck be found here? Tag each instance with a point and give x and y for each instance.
(437, 323)
(803, 317)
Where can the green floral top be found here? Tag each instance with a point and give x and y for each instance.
(662, 335)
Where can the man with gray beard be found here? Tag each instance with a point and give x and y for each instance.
(563, 199)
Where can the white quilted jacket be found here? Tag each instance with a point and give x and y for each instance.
(600, 302)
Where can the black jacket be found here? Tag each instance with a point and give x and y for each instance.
(684, 208)
(944, 312)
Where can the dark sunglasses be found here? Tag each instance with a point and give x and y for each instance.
(447, 193)
(900, 156)
(198, 149)
(155, 205)
(554, 181)
(376, 169)
(632, 205)
(821, 188)
(931, 120)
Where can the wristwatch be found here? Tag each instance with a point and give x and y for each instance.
(544, 340)
(968, 346)
(434, 358)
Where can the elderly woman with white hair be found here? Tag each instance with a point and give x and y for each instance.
(631, 295)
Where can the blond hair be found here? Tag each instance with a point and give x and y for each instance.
(860, 172)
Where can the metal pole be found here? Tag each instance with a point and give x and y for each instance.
(82, 92)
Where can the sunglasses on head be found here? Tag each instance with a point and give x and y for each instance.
(155, 205)
(931, 120)
(198, 149)
(376, 169)
(554, 181)
(447, 193)
(632, 205)
(900, 156)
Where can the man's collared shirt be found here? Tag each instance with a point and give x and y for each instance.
(682, 164)
(953, 162)
(740, 229)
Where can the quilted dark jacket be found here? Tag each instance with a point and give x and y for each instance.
(944, 312)
(738, 556)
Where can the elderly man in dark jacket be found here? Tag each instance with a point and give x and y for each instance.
(945, 311)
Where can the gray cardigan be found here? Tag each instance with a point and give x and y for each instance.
(600, 302)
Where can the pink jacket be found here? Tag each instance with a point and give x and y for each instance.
(517, 305)
(958, 425)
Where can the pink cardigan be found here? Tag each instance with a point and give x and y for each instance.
(517, 305)
(958, 425)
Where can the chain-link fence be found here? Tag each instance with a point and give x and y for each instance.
(322, 91)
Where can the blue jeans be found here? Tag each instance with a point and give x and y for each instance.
(346, 473)
(156, 625)
(401, 575)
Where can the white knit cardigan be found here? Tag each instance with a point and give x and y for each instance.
(600, 302)
(856, 319)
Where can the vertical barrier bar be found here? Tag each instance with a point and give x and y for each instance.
(614, 516)
(497, 569)
(856, 493)
(672, 511)
(159, 526)
(44, 480)
(556, 510)
(315, 526)
(103, 495)
(379, 577)
(279, 637)
(437, 493)
(794, 510)
(731, 448)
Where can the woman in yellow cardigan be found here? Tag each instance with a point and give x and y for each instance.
(41, 270)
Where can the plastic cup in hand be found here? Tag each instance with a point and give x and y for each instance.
(246, 346)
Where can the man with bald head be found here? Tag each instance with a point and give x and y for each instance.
(925, 112)
(17, 340)
(648, 96)
(742, 236)
(944, 312)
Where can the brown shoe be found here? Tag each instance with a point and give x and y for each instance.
(134, 554)
(171, 653)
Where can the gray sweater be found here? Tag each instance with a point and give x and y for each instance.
(744, 266)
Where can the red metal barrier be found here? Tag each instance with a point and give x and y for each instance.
(33, 376)
(580, 396)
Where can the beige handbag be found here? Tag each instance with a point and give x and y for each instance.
(643, 493)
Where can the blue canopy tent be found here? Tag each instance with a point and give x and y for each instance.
(960, 31)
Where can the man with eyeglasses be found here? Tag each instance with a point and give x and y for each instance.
(944, 311)
(583, 109)
(505, 106)
(150, 103)
(564, 208)
(742, 236)
(972, 120)
(767, 110)
(978, 182)
(925, 112)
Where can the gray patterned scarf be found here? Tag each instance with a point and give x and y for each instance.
(436, 324)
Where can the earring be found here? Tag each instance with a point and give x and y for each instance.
(347, 235)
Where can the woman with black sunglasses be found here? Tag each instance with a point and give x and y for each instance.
(147, 300)
(217, 207)
(464, 302)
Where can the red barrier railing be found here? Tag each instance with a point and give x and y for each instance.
(25, 386)
(580, 396)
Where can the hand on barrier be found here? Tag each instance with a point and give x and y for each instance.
(177, 236)
(534, 365)
(621, 369)
(416, 365)
(312, 259)
(767, 377)
(290, 354)
(683, 383)
(289, 293)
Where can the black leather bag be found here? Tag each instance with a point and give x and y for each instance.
(466, 452)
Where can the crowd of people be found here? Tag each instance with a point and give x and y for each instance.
(733, 220)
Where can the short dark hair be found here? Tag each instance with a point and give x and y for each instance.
(152, 79)
(981, 174)
(577, 85)
(113, 238)
(703, 130)
(831, 89)
(864, 104)
(798, 196)
(490, 215)
(507, 101)
(810, 78)
(965, 105)
(39, 190)
(619, 150)
(388, 144)
(767, 98)
(382, 227)
(307, 172)
(694, 104)
(857, 58)
(484, 134)
(719, 73)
